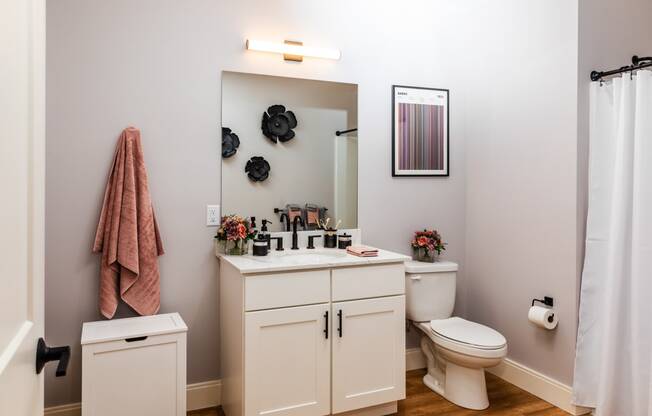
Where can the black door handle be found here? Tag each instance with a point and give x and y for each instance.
(46, 354)
(339, 328)
(326, 325)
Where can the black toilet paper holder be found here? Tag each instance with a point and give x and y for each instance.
(547, 300)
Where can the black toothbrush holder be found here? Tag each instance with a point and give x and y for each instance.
(330, 238)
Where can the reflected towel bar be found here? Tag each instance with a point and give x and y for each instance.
(341, 132)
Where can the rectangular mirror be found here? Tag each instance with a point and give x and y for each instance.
(280, 153)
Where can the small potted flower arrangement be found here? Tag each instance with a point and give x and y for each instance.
(425, 244)
(234, 233)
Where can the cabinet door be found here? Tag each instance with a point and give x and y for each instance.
(287, 361)
(368, 352)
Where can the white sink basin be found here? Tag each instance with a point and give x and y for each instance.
(290, 257)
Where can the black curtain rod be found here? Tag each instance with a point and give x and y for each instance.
(637, 63)
(341, 132)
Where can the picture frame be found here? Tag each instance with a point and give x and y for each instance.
(420, 131)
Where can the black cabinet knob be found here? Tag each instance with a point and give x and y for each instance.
(45, 354)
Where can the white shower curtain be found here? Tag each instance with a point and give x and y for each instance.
(613, 364)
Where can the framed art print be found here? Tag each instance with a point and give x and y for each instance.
(419, 131)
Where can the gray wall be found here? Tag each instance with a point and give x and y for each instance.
(521, 181)
(156, 64)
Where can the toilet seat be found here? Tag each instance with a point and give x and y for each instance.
(466, 337)
(468, 333)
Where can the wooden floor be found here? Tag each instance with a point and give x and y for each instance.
(506, 399)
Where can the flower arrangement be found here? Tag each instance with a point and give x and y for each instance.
(424, 245)
(234, 233)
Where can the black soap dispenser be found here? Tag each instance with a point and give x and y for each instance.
(264, 233)
(260, 246)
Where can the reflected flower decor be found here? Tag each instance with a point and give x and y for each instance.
(234, 233)
(257, 169)
(230, 142)
(425, 244)
(278, 123)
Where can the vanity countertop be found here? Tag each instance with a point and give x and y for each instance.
(307, 259)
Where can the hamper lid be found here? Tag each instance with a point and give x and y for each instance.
(141, 326)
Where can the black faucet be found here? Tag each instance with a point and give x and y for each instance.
(311, 241)
(295, 244)
(287, 221)
(279, 243)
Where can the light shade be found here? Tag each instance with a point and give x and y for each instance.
(292, 49)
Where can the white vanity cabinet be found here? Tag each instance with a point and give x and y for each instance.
(368, 359)
(287, 361)
(313, 342)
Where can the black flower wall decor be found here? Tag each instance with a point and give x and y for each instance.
(278, 123)
(230, 142)
(257, 169)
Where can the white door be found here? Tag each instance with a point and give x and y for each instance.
(368, 352)
(287, 361)
(22, 140)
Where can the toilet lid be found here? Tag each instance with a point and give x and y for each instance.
(467, 332)
(423, 267)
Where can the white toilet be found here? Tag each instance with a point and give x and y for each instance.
(457, 350)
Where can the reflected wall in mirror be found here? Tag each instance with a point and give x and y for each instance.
(315, 168)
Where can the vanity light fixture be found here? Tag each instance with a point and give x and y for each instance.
(292, 50)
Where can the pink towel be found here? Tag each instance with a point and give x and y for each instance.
(362, 251)
(293, 212)
(312, 217)
(127, 234)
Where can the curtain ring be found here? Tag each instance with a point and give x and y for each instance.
(601, 82)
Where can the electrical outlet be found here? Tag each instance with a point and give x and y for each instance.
(212, 215)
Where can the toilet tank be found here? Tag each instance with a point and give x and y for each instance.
(430, 290)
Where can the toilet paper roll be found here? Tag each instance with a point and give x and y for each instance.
(543, 317)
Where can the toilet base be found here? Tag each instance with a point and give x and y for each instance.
(464, 386)
(433, 384)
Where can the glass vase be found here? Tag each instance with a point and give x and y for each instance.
(233, 247)
(422, 254)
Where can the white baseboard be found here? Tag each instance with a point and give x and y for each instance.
(414, 359)
(209, 393)
(199, 396)
(540, 385)
(204, 395)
